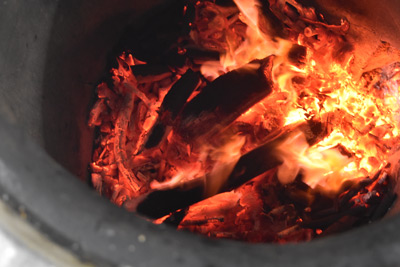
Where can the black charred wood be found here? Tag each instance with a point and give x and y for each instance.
(175, 60)
(299, 197)
(341, 225)
(172, 104)
(225, 99)
(176, 217)
(265, 157)
(345, 198)
(357, 210)
(317, 222)
(385, 204)
(322, 202)
(179, 94)
(321, 223)
(163, 202)
(298, 193)
(326, 212)
(346, 185)
(251, 165)
(157, 134)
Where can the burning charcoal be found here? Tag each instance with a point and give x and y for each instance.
(225, 99)
(355, 188)
(172, 105)
(345, 197)
(211, 159)
(95, 115)
(265, 157)
(355, 207)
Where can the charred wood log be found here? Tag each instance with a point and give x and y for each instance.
(384, 205)
(225, 99)
(172, 105)
(178, 95)
(265, 157)
(163, 202)
(364, 201)
(248, 167)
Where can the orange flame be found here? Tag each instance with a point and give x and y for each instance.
(366, 127)
(366, 117)
(365, 122)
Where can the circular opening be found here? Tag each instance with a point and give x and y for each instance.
(212, 124)
(44, 180)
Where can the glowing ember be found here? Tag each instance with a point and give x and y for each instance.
(366, 125)
(276, 141)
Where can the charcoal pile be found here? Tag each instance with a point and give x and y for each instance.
(240, 119)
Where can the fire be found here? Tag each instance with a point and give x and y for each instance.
(365, 131)
(221, 139)
(366, 115)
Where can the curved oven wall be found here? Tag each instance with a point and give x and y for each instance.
(53, 54)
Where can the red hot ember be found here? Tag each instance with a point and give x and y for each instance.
(254, 137)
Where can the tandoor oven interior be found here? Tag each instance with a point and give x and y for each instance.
(69, 52)
(258, 121)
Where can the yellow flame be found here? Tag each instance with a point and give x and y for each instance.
(366, 126)
(365, 120)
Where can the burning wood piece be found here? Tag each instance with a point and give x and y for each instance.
(252, 212)
(364, 201)
(250, 165)
(211, 111)
(173, 103)
(308, 28)
(129, 100)
(306, 219)
(266, 156)
(217, 28)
